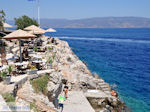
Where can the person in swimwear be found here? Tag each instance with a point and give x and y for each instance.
(114, 93)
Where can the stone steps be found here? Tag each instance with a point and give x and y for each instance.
(105, 87)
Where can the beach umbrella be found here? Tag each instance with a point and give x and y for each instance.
(50, 30)
(19, 34)
(34, 29)
(7, 25)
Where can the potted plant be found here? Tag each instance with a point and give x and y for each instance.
(35, 49)
(1, 79)
(1, 76)
(33, 70)
(48, 42)
(6, 77)
(10, 69)
(50, 49)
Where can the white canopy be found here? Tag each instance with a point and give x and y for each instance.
(6, 25)
(19, 34)
(34, 29)
(50, 30)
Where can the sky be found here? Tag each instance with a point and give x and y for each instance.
(76, 9)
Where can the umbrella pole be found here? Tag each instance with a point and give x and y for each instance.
(20, 51)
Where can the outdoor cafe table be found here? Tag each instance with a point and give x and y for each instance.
(37, 61)
(21, 64)
(49, 45)
(35, 56)
(32, 55)
(8, 56)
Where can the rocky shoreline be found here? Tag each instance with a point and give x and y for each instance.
(81, 79)
(67, 66)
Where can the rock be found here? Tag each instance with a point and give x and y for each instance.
(96, 75)
(100, 102)
(44, 108)
(55, 77)
(26, 93)
(51, 86)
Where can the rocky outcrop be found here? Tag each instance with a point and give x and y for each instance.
(54, 86)
(75, 71)
(80, 78)
(107, 104)
(27, 94)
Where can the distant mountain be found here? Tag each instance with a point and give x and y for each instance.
(98, 22)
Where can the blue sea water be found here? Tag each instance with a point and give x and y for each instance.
(120, 56)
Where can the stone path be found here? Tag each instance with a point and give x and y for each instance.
(77, 102)
(14, 80)
(20, 80)
(3, 105)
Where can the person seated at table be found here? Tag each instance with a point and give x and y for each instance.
(38, 66)
(26, 53)
(53, 40)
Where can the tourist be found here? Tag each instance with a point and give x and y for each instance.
(65, 88)
(66, 91)
(61, 102)
(114, 93)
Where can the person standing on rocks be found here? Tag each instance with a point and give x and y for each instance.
(66, 90)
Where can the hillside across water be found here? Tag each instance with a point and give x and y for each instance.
(97, 22)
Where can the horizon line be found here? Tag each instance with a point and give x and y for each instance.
(91, 17)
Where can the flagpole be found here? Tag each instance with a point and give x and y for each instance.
(39, 12)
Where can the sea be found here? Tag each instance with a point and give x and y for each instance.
(119, 56)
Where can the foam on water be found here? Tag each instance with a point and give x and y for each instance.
(107, 39)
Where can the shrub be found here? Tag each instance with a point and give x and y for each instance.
(3, 74)
(32, 67)
(9, 97)
(53, 57)
(40, 84)
(50, 61)
(35, 49)
(49, 48)
(33, 107)
(9, 70)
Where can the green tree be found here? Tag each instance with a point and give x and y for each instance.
(2, 20)
(25, 21)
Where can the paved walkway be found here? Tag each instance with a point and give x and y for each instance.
(77, 102)
(20, 80)
(3, 105)
(10, 87)
(16, 79)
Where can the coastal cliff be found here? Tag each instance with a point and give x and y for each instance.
(67, 66)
